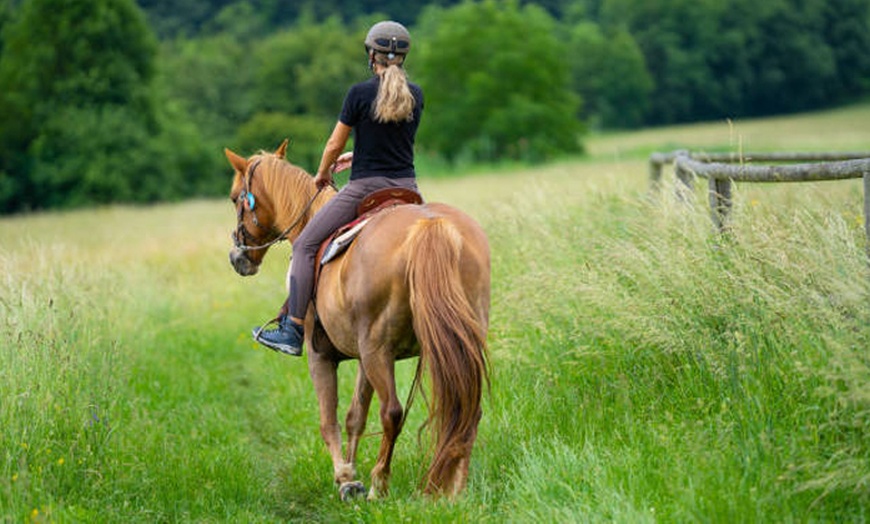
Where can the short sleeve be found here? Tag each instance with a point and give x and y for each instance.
(350, 109)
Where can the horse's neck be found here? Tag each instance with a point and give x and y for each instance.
(296, 201)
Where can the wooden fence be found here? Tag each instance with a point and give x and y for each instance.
(721, 169)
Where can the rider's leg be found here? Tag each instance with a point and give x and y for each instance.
(288, 336)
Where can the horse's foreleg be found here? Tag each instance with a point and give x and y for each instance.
(325, 378)
(381, 374)
(357, 414)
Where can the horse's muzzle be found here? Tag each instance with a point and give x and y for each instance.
(241, 263)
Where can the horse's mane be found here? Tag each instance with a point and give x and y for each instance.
(285, 182)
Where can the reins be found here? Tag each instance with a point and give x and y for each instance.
(244, 247)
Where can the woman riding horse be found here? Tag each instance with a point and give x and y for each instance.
(414, 283)
(383, 113)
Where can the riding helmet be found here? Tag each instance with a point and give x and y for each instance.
(389, 37)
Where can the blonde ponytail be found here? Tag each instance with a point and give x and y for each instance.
(395, 102)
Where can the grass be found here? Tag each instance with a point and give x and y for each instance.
(835, 130)
(644, 369)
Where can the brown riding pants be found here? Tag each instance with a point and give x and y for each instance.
(340, 210)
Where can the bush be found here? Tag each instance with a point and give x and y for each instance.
(495, 84)
(266, 130)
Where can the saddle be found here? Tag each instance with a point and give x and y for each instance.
(370, 206)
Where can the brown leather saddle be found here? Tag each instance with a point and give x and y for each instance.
(370, 206)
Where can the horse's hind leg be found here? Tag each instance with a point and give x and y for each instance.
(379, 370)
(458, 479)
(325, 378)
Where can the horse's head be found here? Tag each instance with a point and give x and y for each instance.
(255, 210)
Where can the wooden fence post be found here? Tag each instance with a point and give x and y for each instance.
(656, 163)
(655, 172)
(867, 213)
(720, 202)
(686, 178)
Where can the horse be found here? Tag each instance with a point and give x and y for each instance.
(414, 283)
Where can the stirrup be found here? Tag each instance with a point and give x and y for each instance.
(292, 347)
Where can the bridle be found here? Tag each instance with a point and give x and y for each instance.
(241, 235)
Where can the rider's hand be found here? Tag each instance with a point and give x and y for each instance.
(322, 180)
(342, 162)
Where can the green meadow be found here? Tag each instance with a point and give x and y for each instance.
(644, 369)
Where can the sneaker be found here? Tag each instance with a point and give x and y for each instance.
(286, 338)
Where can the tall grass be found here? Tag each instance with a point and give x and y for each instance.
(703, 377)
(644, 368)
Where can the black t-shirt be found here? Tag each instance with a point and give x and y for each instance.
(380, 149)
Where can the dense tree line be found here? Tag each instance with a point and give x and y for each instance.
(715, 59)
(110, 100)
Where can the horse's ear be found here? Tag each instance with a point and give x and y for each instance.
(282, 149)
(238, 163)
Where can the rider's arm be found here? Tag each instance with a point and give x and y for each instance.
(334, 146)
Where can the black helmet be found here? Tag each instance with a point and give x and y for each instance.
(389, 37)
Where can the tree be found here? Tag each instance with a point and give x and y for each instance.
(82, 120)
(308, 69)
(847, 31)
(676, 48)
(60, 59)
(266, 130)
(5, 17)
(609, 73)
(180, 18)
(212, 80)
(711, 59)
(495, 84)
(793, 67)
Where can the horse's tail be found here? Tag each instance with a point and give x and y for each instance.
(452, 337)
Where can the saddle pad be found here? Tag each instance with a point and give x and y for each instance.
(340, 242)
(370, 206)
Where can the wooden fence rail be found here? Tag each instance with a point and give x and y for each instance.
(721, 169)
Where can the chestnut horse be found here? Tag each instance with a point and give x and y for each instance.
(415, 282)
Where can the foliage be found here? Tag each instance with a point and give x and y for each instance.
(195, 18)
(248, 94)
(81, 120)
(485, 105)
(266, 130)
(172, 18)
(211, 81)
(504, 79)
(712, 59)
(309, 68)
(609, 73)
(6, 12)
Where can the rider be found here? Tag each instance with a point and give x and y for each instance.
(383, 113)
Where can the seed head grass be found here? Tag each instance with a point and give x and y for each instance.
(645, 368)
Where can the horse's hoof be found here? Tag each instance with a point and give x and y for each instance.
(351, 490)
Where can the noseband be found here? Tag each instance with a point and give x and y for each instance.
(241, 235)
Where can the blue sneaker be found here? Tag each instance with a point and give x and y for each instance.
(286, 338)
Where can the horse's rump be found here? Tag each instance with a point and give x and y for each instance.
(368, 282)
